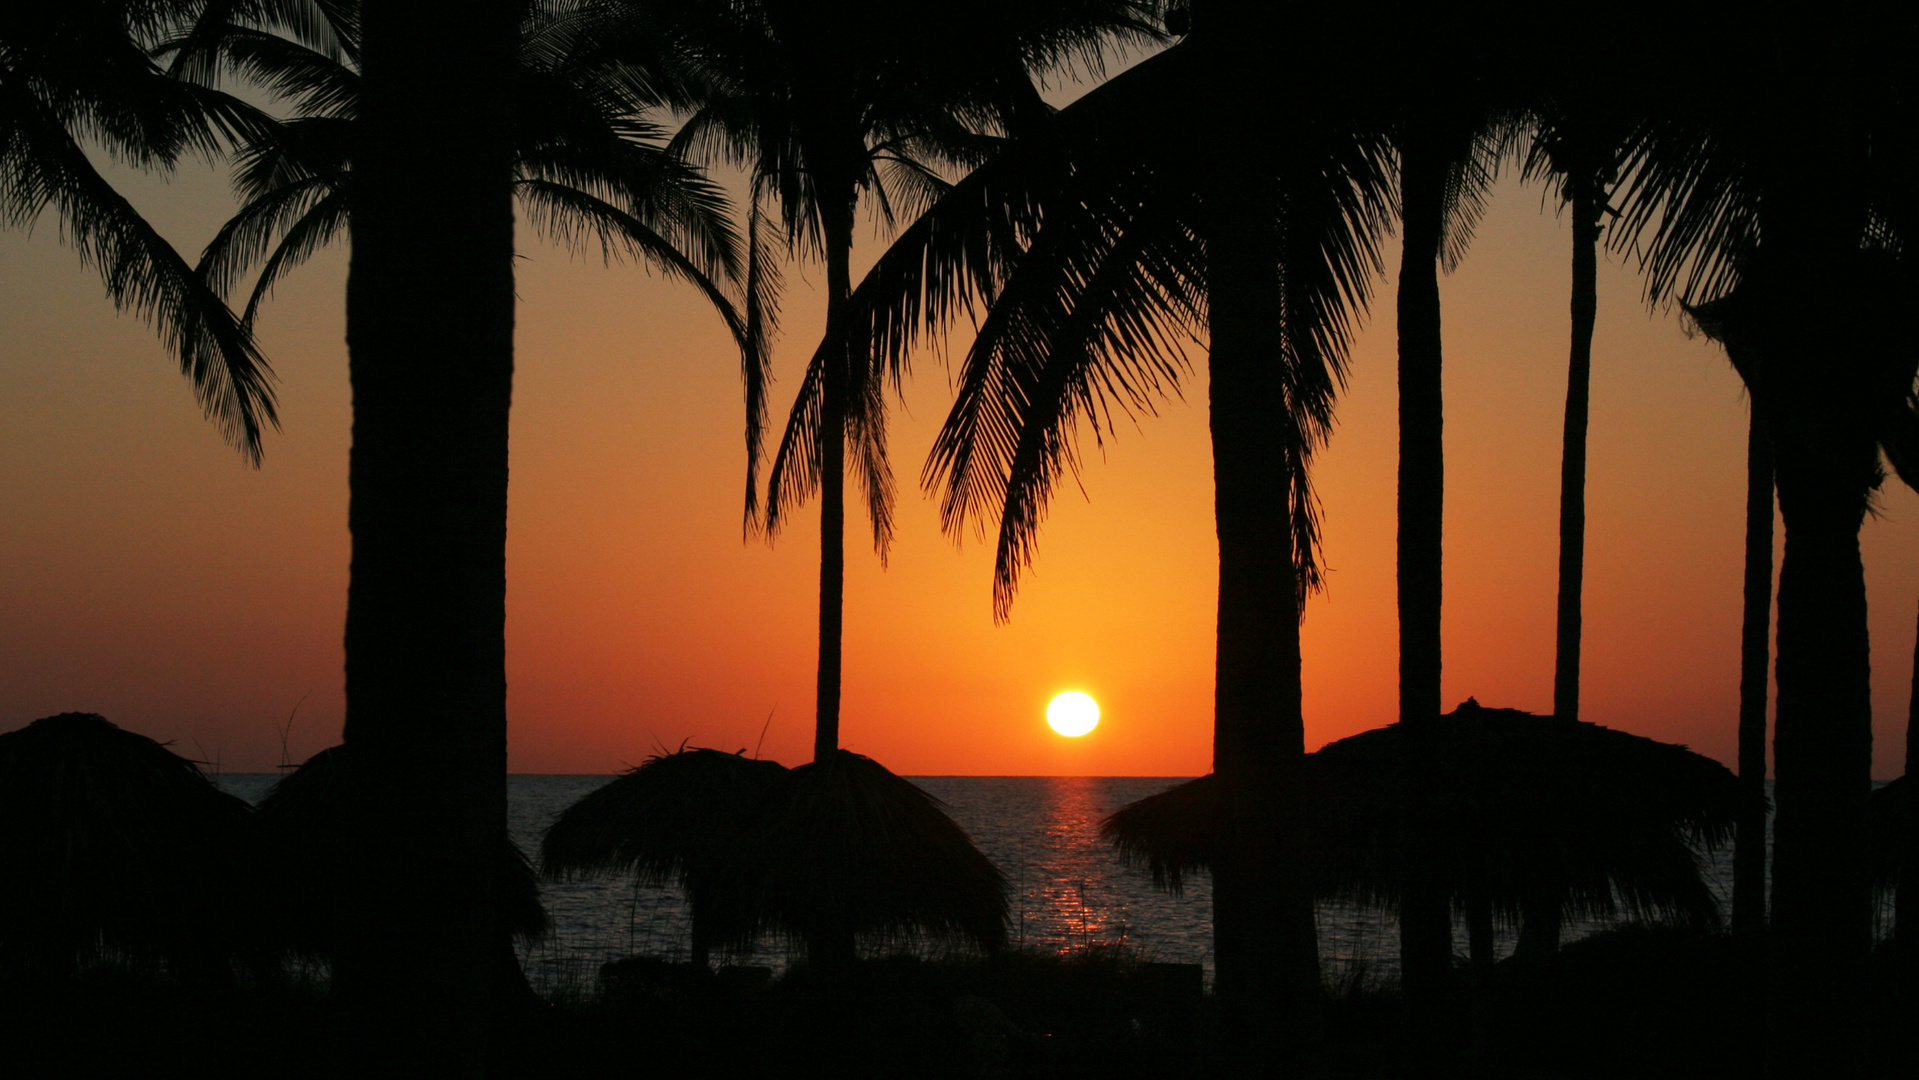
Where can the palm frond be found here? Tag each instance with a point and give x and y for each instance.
(142, 272)
(762, 287)
(315, 229)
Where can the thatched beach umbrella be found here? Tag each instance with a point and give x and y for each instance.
(108, 840)
(851, 853)
(1536, 815)
(675, 818)
(310, 838)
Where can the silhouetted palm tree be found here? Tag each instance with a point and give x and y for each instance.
(588, 163)
(1448, 141)
(73, 74)
(1100, 248)
(430, 310)
(1773, 181)
(1576, 145)
(822, 107)
(1755, 679)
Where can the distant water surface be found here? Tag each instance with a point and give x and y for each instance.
(1070, 891)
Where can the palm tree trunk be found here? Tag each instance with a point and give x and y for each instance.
(1572, 460)
(832, 435)
(430, 338)
(1905, 912)
(1266, 938)
(1822, 758)
(832, 947)
(1425, 917)
(1755, 650)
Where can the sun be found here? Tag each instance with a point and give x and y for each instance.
(1073, 713)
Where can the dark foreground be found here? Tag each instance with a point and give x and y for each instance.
(1634, 1002)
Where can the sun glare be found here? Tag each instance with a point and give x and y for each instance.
(1073, 713)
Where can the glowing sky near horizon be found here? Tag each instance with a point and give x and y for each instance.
(147, 575)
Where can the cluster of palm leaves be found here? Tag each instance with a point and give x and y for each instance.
(1233, 195)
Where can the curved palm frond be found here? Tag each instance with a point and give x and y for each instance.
(42, 165)
(315, 229)
(1096, 292)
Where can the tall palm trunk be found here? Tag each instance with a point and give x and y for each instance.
(430, 337)
(1266, 940)
(1905, 913)
(1425, 921)
(832, 946)
(1584, 189)
(1822, 754)
(1755, 649)
(832, 435)
(1816, 365)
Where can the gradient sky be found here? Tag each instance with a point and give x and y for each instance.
(146, 574)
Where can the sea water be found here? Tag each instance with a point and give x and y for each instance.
(1070, 890)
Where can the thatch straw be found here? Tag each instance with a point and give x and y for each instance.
(1601, 819)
(674, 819)
(1173, 834)
(304, 819)
(852, 852)
(108, 839)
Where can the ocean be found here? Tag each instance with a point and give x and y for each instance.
(1070, 890)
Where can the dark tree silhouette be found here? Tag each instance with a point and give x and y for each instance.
(1772, 191)
(1447, 144)
(430, 342)
(1826, 441)
(1099, 248)
(1576, 146)
(589, 164)
(1755, 677)
(823, 108)
(72, 73)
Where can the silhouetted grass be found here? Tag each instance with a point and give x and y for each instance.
(1639, 1001)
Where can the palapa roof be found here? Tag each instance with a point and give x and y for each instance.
(675, 818)
(304, 822)
(108, 837)
(847, 845)
(1518, 803)
(662, 818)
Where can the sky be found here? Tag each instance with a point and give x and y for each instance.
(147, 574)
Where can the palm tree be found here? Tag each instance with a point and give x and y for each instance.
(1576, 144)
(823, 108)
(430, 347)
(1755, 650)
(1100, 248)
(73, 73)
(1447, 144)
(1776, 193)
(588, 165)
(428, 509)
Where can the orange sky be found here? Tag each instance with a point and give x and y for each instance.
(147, 575)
